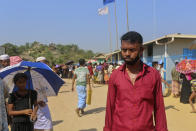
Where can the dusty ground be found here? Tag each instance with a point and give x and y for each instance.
(64, 118)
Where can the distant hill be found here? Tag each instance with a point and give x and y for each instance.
(55, 53)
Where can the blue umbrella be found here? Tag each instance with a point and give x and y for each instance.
(41, 77)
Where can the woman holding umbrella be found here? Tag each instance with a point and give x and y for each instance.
(22, 105)
(40, 78)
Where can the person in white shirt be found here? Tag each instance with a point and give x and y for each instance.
(162, 71)
(44, 120)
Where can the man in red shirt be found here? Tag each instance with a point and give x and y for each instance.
(90, 69)
(134, 93)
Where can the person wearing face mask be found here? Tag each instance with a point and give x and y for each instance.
(134, 92)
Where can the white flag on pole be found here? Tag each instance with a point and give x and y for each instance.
(103, 11)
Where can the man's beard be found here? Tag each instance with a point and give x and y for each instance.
(132, 61)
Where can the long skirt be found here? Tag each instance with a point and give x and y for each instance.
(175, 87)
(185, 91)
(22, 126)
(100, 77)
(81, 90)
(106, 78)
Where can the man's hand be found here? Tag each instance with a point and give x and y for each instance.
(33, 117)
(28, 112)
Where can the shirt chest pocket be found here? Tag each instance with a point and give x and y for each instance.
(145, 92)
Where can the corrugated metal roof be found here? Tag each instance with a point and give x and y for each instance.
(178, 35)
(117, 51)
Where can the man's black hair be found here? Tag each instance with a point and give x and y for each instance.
(82, 62)
(176, 63)
(154, 63)
(19, 76)
(132, 37)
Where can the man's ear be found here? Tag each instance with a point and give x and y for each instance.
(142, 48)
(141, 51)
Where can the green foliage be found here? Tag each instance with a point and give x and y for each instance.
(11, 49)
(55, 54)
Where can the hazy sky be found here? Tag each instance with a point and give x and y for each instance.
(78, 22)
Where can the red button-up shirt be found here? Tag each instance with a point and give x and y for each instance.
(132, 107)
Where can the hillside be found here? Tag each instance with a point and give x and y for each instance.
(55, 53)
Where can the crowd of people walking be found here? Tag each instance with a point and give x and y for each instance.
(130, 84)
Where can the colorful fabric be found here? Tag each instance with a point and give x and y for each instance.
(81, 74)
(99, 67)
(106, 76)
(90, 68)
(186, 66)
(188, 76)
(15, 60)
(81, 90)
(193, 85)
(175, 75)
(175, 87)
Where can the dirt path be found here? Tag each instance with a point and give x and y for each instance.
(65, 119)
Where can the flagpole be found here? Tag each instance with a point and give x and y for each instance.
(127, 16)
(154, 20)
(116, 31)
(116, 26)
(109, 30)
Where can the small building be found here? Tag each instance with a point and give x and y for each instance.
(114, 57)
(170, 48)
(100, 57)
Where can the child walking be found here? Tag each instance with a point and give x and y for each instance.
(193, 89)
(22, 105)
(81, 76)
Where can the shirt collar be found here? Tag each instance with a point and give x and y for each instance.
(144, 68)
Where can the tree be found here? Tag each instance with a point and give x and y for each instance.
(11, 49)
(54, 53)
